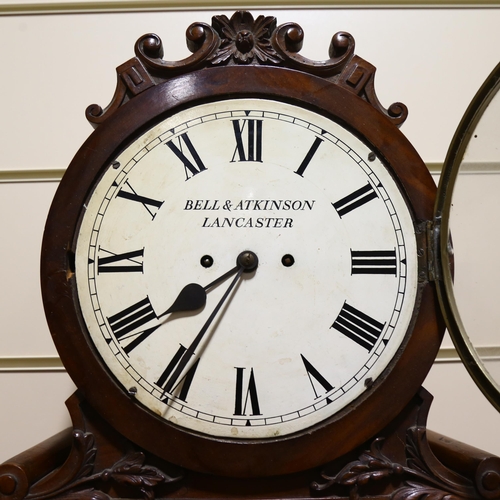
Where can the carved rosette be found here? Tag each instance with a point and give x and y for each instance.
(243, 40)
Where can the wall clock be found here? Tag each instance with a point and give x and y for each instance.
(326, 196)
(237, 272)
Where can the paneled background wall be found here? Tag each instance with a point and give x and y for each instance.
(54, 65)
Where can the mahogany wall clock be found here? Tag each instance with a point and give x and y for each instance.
(244, 158)
(236, 267)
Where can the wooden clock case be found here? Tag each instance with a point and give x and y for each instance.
(376, 447)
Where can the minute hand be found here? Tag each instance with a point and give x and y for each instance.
(191, 349)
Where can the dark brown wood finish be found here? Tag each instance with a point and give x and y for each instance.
(344, 93)
(403, 461)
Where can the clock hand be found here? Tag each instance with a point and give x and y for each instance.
(246, 262)
(194, 296)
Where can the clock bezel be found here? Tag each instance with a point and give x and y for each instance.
(232, 457)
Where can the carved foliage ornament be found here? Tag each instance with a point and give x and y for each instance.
(77, 479)
(243, 40)
(422, 477)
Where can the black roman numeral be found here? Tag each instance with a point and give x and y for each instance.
(373, 262)
(253, 140)
(149, 204)
(241, 397)
(309, 156)
(313, 373)
(128, 262)
(195, 164)
(354, 200)
(358, 326)
(185, 381)
(132, 318)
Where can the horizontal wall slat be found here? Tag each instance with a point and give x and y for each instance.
(38, 175)
(55, 174)
(20, 8)
(30, 363)
(53, 363)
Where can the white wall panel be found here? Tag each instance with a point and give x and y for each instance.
(54, 66)
(36, 409)
(459, 410)
(432, 60)
(24, 208)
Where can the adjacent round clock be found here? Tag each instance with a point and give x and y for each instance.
(474, 146)
(235, 264)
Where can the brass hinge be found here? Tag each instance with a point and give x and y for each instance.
(427, 234)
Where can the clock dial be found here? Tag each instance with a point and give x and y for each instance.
(246, 268)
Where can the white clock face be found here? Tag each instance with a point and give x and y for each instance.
(275, 349)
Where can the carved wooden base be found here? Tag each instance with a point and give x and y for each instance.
(405, 461)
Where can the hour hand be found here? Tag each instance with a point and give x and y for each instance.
(190, 298)
(194, 296)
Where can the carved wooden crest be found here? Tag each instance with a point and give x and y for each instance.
(243, 40)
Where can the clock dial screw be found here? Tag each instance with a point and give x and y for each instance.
(288, 260)
(207, 261)
(371, 157)
(132, 391)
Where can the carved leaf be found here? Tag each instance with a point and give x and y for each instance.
(365, 470)
(85, 442)
(372, 465)
(414, 458)
(416, 491)
(131, 470)
(263, 28)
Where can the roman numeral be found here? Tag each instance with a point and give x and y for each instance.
(309, 156)
(312, 373)
(195, 164)
(354, 200)
(242, 398)
(149, 204)
(358, 326)
(253, 140)
(373, 262)
(132, 318)
(128, 262)
(185, 381)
